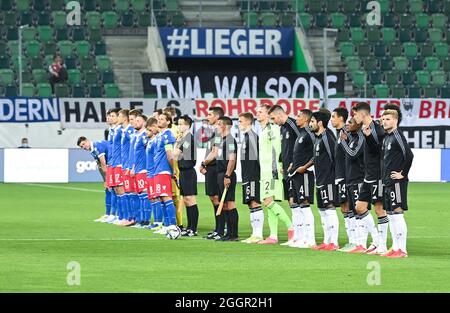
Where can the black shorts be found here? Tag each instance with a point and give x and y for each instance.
(326, 196)
(371, 192)
(211, 188)
(396, 196)
(188, 182)
(250, 192)
(342, 190)
(231, 193)
(288, 190)
(304, 186)
(353, 196)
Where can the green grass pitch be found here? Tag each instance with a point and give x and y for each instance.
(44, 227)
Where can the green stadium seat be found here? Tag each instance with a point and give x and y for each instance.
(26, 18)
(62, 91)
(93, 19)
(389, 20)
(399, 6)
(22, 5)
(359, 78)
(44, 18)
(384, 5)
(415, 6)
(10, 18)
(62, 34)
(432, 6)
(406, 21)
(78, 91)
(27, 77)
(86, 63)
(110, 19)
(74, 76)
(12, 33)
(404, 34)
(381, 91)
(373, 34)
(357, 34)
(39, 5)
(89, 5)
(438, 78)
(446, 64)
(401, 63)
(321, 20)
(423, 78)
(48, 60)
(408, 78)
(35, 63)
(435, 34)
(11, 91)
(107, 77)
(103, 63)
(349, 6)
(353, 63)
(370, 63)
(56, 5)
(112, 91)
(70, 61)
(354, 19)
(3, 47)
(44, 90)
(59, 19)
(417, 64)
(441, 49)
(414, 92)
(388, 34)
(281, 6)
(82, 48)
(426, 50)
(45, 33)
(395, 49)
(122, 5)
(445, 92)
(95, 91)
(127, 19)
(332, 6)
(398, 91)
(94, 35)
(6, 77)
(447, 35)
(65, 48)
(295, 5)
(90, 77)
(374, 77)
(429, 92)
(379, 49)
(6, 5)
(172, 5)
(28, 33)
(338, 20)
(422, 21)
(27, 90)
(100, 48)
(305, 20)
(105, 5)
(138, 5)
(391, 77)
(40, 76)
(410, 49)
(4, 62)
(78, 33)
(432, 64)
(250, 19)
(269, 19)
(32, 48)
(363, 49)
(286, 19)
(347, 49)
(385, 63)
(144, 19)
(343, 35)
(13, 47)
(264, 6)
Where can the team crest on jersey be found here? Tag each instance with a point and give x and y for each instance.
(351, 144)
(186, 145)
(287, 135)
(300, 140)
(389, 146)
(317, 148)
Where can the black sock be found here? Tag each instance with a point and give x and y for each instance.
(229, 225)
(234, 218)
(220, 223)
(216, 228)
(189, 217)
(193, 217)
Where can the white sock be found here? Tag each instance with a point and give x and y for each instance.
(333, 221)
(308, 223)
(324, 221)
(392, 227)
(364, 231)
(252, 222)
(258, 218)
(297, 222)
(383, 224)
(370, 226)
(347, 226)
(401, 231)
(352, 226)
(359, 232)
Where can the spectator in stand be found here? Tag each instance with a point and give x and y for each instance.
(58, 72)
(24, 144)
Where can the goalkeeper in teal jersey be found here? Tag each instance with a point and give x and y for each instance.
(271, 178)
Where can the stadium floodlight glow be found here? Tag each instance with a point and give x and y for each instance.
(325, 70)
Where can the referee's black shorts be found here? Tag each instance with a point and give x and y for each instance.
(231, 193)
(211, 188)
(188, 182)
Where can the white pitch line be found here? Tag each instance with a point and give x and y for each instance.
(62, 187)
(86, 239)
